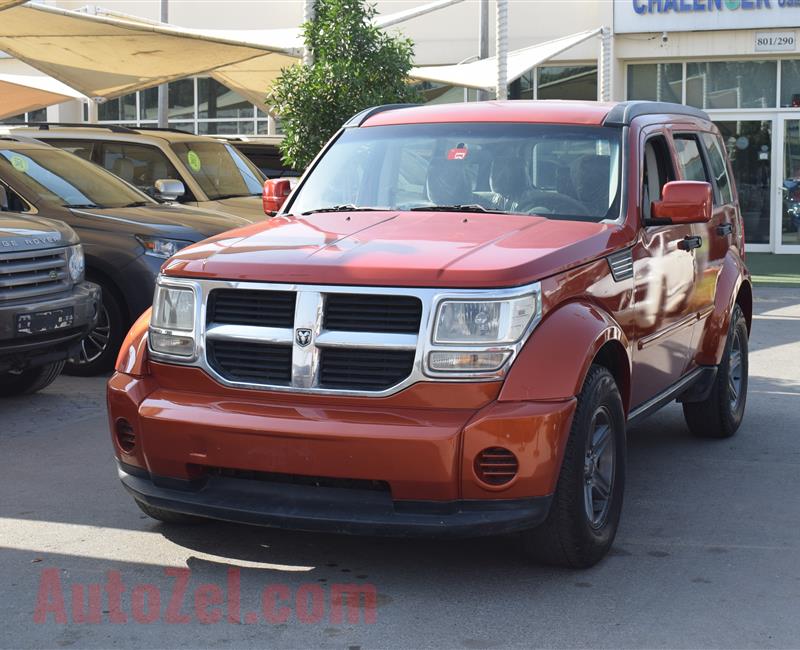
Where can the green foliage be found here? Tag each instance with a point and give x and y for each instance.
(356, 65)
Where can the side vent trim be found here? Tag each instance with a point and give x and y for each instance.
(621, 264)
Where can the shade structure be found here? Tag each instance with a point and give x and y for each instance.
(24, 89)
(483, 74)
(104, 56)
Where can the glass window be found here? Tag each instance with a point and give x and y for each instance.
(139, 165)
(181, 99)
(572, 82)
(182, 126)
(59, 177)
(243, 127)
(148, 104)
(790, 209)
(748, 143)
(217, 101)
(119, 109)
(81, 148)
(661, 82)
(220, 169)
(718, 167)
(506, 168)
(790, 84)
(732, 84)
(39, 115)
(690, 161)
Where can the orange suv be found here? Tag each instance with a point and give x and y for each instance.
(447, 329)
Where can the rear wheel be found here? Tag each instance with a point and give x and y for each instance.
(30, 380)
(585, 512)
(98, 351)
(721, 413)
(167, 516)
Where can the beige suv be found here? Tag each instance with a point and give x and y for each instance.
(213, 175)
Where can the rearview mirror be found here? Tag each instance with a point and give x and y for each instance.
(276, 191)
(168, 189)
(683, 202)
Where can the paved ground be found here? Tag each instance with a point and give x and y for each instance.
(708, 553)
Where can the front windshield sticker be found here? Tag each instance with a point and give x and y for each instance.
(20, 163)
(459, 153)
(194, 161)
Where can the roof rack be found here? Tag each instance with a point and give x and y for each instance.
(45, 126)
(359, 118)
(623, 113)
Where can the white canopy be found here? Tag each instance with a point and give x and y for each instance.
(104, 56)
(23, 89)
(483, 74)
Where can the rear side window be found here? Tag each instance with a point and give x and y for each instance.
(81, 148)
(690, 159)
(719, 169)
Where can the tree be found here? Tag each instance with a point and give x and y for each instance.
(356, 65)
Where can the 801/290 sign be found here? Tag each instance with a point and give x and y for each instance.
(775, 42)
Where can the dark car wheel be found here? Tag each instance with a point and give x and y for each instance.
(168, 516)
(720, 415)
(98, 351)
(30, 380)
(585, 512)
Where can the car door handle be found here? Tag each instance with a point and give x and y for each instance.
(689, 242)
(724, 230)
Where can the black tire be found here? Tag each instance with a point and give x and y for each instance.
(29, 380)
(168, 516)
(721, 413)
(568, 537)
(109, 332)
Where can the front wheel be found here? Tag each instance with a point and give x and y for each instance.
(98, 351)
(721, 413)
(30, 380)
(587, 503)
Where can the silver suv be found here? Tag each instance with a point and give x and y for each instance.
(210, 174)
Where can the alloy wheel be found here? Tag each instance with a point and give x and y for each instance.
(599, 468)
(96, 342)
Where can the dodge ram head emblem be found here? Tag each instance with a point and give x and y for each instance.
(303, 337)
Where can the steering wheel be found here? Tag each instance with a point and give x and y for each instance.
(553, 204)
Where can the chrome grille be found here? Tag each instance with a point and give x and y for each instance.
(310, 339)
(32, 274)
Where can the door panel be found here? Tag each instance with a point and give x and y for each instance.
(664, 277)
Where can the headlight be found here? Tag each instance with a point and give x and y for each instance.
(484, 321)
(172, 322)
(77, 265)
(159, 247)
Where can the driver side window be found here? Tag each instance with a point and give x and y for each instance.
(657, 172)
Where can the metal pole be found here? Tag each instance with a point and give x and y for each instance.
(605, 85)
(483, 39)
(309, 12)
(163, 89)
(502, 50)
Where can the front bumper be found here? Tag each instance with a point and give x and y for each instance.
(332, 509)
(24, 350)
(401, 465)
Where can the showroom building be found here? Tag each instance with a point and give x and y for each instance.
(737, 59)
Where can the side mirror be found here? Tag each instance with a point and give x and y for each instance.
(683, 202)
(168, 189)
(3, 199)
(276, 191)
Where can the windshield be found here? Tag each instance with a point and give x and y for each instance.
(557, 171)
(220, 170)
(59, 177)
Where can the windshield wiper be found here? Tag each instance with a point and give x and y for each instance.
(345, 208)
(78, 206)
(467, 207)
(136, 204)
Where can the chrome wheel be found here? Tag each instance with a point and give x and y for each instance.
(96, 341)
(598, 468)
(735, 370)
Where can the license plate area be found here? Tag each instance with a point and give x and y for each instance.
(45, 321)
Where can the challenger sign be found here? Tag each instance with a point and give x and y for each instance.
(695, 15)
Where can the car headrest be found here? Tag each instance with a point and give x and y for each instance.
(123, 167)
(508, 177)
(447, 182)
(590, 177)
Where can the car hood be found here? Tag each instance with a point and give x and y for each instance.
(246, 207)
(173, 220)
(397, 249)
(23, 233)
